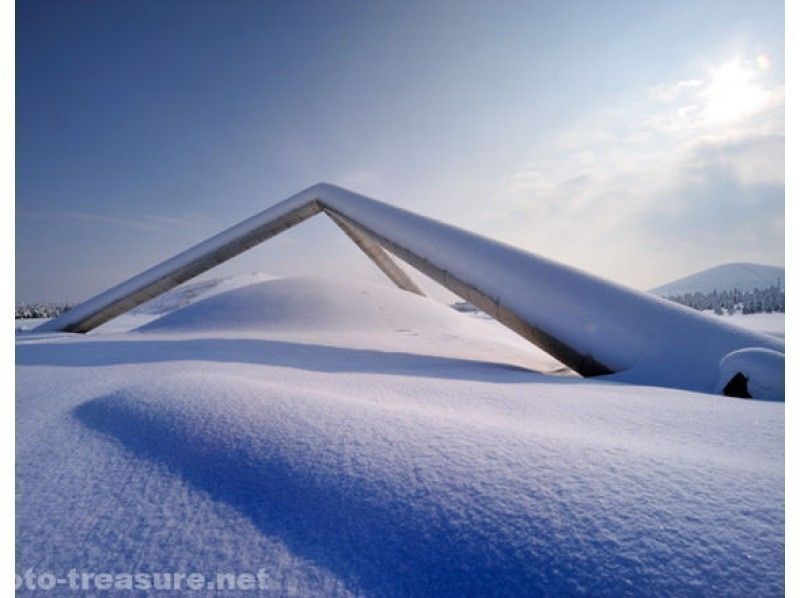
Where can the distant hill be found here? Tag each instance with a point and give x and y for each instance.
(726, 277)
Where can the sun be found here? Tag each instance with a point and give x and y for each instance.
(733, 91)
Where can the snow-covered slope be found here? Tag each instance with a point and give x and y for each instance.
(309, 304)
(773, 324)
(725, 277)
(349, 313)
(409, 456)
(195, 290)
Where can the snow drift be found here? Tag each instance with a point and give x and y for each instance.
(449, 496)
(303, 304)
(761, 373)
(196, 290)
(309, 304)
(401, 457)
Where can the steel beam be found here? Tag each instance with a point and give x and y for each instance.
(375, 253)
(592, 325)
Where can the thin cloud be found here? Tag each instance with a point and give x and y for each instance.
(148, 223)
(669, 161)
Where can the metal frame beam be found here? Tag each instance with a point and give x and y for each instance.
(375, 253)
(592, 325)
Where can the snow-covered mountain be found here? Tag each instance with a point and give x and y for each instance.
(725, 277)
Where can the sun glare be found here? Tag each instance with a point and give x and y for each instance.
(733, 91)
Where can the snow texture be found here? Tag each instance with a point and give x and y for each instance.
(362, 456)
(725, 277)
(195, 290)
(308, 304)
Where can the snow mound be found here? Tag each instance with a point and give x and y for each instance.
(295, 304)
(196, 290)
(725, 277)
(544, 493)
(760, 373)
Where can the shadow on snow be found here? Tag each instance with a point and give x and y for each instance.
(302, 356)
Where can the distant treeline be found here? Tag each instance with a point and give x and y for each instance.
(757, 301)
(40, 310)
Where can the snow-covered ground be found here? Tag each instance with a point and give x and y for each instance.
(773, 323)
(356, 439)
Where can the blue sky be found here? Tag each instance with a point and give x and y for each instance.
(639, 140)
